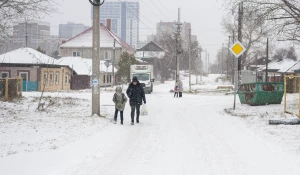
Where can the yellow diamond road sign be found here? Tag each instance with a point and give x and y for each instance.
(237, 49)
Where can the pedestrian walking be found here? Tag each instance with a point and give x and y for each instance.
(120, 101)
(180, 85)
(176, 90)
(136, 95)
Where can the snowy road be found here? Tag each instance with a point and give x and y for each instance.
(180, 137)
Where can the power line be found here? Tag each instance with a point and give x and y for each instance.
(155, 7)
(160, 10)
(137, 17)
(164, 7)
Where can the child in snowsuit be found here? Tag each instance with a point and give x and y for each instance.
(176, 90)
(120, 100)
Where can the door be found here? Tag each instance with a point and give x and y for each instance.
(24, 76)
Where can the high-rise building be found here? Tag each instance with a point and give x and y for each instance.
(124, 19)
(170, 28)
(31, 34)
(69, 30)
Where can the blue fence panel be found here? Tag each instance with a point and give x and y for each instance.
(30, 86)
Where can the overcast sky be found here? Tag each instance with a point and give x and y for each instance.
(204, 15)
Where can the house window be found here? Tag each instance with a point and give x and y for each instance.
(76, 54)
(5, 74)
(110, 78)
(45, 78)
(107, 55)
(104, 78)
(51, 78)
(67, 79)
(57, 77)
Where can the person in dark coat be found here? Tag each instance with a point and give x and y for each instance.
(136, 95)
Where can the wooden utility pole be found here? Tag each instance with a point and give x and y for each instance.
(205, 67)
(26, 36)
(240, 35)
(267, 59)
(228, 56)
(233, 59)
(222, 58)
(190, 57)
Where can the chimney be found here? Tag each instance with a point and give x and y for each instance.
(108, 24)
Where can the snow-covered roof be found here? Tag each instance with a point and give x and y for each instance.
(142, 54)
(280, 66)
(294, 68)
(80, 65)
(83, 66)
(84, 40)
(26, 56)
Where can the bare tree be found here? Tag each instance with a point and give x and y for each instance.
(284, 15)
(255, 30)
(13, 11)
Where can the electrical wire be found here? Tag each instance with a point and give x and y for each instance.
(160, 10)
(137, 17)
(164, 7)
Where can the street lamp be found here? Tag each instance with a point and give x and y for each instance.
(97, 3)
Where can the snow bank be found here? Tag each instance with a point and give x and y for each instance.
(24, 129)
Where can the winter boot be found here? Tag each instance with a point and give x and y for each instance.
(121, 122)
(115, 121)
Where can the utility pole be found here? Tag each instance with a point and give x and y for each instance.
(233, 59)
(240, 35)
(190, 57)
(205, 67)
(208, 63)
(26, 36)
(96, 57)
(113, 64)
(201, 71)
(222, 58)
(178, 48)
(228, 56)
(267, 59)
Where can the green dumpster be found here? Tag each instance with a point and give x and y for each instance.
(257, 94)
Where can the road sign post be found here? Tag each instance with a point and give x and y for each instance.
(237, 49)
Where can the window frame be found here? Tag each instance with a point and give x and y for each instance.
(51, 78)
(108, 55)
(57, 78)
(76, 54)
(5, 72)
(67, 79)
(45, 78)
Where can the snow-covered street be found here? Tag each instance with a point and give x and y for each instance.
(191, 135)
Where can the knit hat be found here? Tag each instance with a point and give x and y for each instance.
(134, 79)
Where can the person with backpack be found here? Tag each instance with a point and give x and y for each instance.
(136, 94)
(120, 101)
